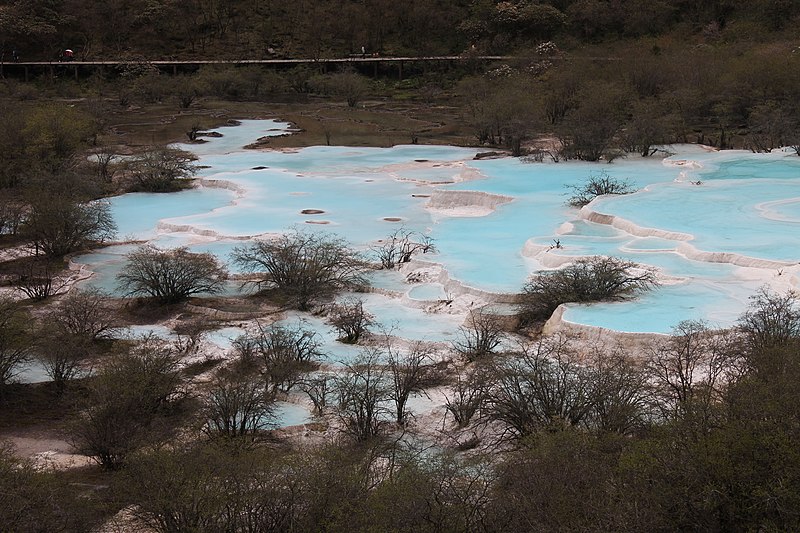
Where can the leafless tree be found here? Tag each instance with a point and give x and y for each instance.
(84, 313)
(652, 125)
(362, 391)
(39, 279)
(589, 128)
(348, 85)
(14, 340)
(57, 226)
(351, 320)
(411, 371)
(401, 245)
(104, 159)
(467, 394)
(479, 336)
(160, 169)
(303, 267)
(237, 406)
(63, 356)
(540, 387)
(283, 354)
(620, 392)
(170, 275)
(689, 371)
(128, 401)
(318, 388)
(771, 126)
(771, 320)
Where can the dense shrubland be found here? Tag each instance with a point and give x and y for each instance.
(695, 431)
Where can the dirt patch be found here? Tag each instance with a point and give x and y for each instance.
(46, 449)
(380, 122)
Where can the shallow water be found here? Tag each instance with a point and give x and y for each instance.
(694, 203)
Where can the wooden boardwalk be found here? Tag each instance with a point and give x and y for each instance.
(298, 61)
(27, 67)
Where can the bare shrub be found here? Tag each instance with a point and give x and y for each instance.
(237, 406)
(411, 371)
(621, 394)
(591, 279)
(39, 279)
(362, 390)
(84, 313)
(15, 339)
(303, 267)
(770, 126)
(351, 320)
(282, 354)
(128, 403)
(170, 275)
(57, 226)
(689, 371)
(597, 185)
(160, 169)
(467, 394)
(772, 320)
(347, 85)
(401, 245)
(540, 387)
(63, 356)
(104, 160)
(479, 336)
(318, 388)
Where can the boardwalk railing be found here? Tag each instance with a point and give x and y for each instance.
(175, 64)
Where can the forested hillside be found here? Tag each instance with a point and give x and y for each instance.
(310, 28)
(628, 74)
